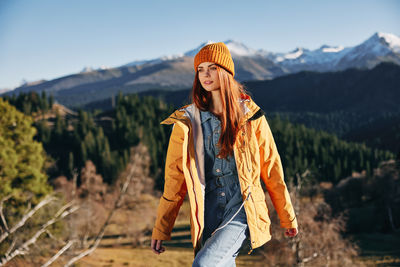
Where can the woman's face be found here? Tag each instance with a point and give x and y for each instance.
(208, 76)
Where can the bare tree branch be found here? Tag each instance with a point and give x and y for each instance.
(117, 205)
(61, 212)
(28, 208)
(28, 215)
(3, 219)
(313, 256)
(64, 211)
(11, 246)
(53, 237)
(59, 253)
(24, 248)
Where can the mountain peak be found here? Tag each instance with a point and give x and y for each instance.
(193, 52)
(299, 49)
(383, 42)
(295, 53)
(239, 49)
(87, 69)
(330, 49)
(236, 48)
(390, 39)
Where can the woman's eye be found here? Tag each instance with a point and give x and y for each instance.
(213, 68)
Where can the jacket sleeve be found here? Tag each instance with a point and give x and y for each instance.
(174, 187)
(272, 174)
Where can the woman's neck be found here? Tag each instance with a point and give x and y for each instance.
(216, 103)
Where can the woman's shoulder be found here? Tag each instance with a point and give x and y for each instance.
(177, 114)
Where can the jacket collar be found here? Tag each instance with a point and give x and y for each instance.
(181, 114)
(205, 116)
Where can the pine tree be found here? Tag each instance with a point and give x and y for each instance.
(21, 158)
(51, 101)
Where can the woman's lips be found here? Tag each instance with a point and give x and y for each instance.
(208, 82)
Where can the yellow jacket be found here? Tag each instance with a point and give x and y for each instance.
(256, 156)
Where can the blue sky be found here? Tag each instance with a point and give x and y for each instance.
(46, 39)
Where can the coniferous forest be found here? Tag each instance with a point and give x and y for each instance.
(105, 139)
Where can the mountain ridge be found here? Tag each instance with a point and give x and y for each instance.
(176, 72)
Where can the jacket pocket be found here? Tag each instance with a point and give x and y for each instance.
(262, 217)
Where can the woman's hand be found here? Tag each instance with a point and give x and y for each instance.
(156, 246)
(291, 232)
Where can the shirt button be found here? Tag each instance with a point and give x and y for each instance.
(223, 194)
(217, 170)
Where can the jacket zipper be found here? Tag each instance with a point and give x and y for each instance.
(194, 191)
(251, 245)
(254, 207)
(244, 134)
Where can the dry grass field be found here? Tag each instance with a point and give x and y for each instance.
(144, 257)
(117, 249)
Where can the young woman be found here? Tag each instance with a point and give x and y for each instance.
(220, 149)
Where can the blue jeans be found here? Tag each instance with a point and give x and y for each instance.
(222, 248)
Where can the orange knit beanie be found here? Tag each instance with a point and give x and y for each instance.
(217, 53)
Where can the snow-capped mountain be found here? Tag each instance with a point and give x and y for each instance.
(382, 43)
(239, 49)
(193, 52)
(235, 48)
(90, 69)
(87, 69)
(379, 47)
(175, 72)
(390, 40)
(303, 55)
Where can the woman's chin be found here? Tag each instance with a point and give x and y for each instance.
(209, 89)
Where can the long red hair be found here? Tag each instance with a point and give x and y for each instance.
(232, 113)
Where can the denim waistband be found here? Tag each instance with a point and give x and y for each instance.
(221, 181)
